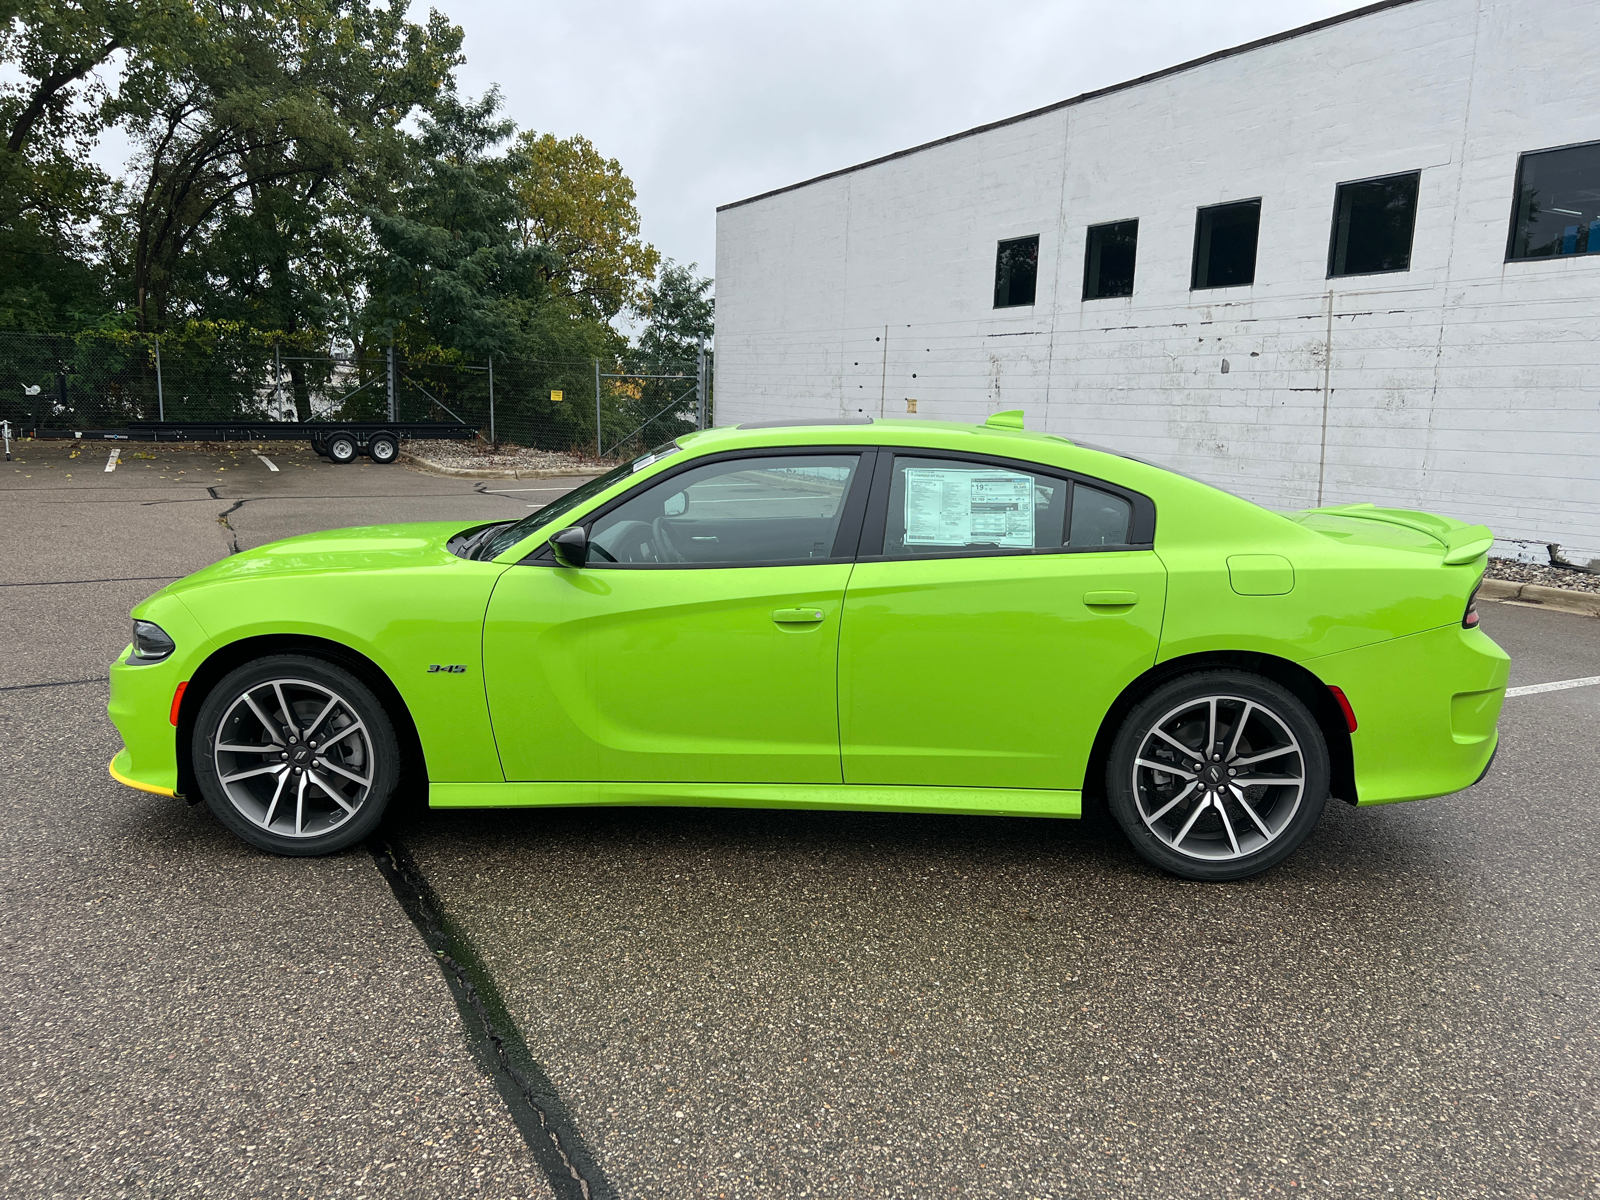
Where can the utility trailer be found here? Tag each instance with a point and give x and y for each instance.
(339, 441)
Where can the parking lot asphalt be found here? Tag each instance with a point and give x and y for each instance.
(741, 1004)
(184, 1016)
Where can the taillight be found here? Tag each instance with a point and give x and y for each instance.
(1469, 619)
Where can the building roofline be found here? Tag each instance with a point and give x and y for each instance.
(1298, 31)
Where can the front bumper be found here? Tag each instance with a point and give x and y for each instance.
(1426, 706)
(140, 708)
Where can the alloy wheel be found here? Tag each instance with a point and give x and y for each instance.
(294, 758)
(1219, 778)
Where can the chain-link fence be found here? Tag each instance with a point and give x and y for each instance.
(58, 383)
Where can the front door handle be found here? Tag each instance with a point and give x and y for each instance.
(1111, 599)
(797, 616)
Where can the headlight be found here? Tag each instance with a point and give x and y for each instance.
(150, 642)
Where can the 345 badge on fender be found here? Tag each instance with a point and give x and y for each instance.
(452, 669)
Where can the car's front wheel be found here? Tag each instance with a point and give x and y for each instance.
(295, 755)
(1218, 775)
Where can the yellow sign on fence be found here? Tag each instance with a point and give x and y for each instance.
(555, 397)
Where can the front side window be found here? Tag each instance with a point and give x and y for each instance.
(940, 506)
(1016, 272)
(1557, 204)
(740, 511)
(1225, 238)
(1373, 221)
(1109, 258)
(510, 535)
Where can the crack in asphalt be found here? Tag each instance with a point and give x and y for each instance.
(22, 687)
(538, 1111)
(113, 579)
(222, 518)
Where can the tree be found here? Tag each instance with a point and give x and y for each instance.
(260, 140)
(451, 269)
(581, 206)
(679, 312)
(51, 111)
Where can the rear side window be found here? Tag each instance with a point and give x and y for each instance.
(943, 506)
(1098, 518)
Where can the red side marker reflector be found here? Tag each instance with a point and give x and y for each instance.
(177, 703)
(1344, 707)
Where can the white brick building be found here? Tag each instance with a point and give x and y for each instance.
(1464, 378)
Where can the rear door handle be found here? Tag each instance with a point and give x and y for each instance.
(1111, 599)
(797, 616)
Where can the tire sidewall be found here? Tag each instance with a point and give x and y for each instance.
(385, 752)
(1175, 692)
(390, 446)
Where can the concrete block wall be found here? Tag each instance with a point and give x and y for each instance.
(1465, 385)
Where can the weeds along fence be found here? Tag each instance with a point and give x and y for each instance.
(59, 383)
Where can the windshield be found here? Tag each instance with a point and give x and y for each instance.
(512, 534)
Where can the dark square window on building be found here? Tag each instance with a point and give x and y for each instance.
(1225, 245)
(1373, 221)
(1108, 260)
(1558, 203)
(1016, 272)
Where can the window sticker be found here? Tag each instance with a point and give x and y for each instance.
(961, 507)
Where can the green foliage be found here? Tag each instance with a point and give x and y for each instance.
(679, 312)
(306, 180)
(581, 206)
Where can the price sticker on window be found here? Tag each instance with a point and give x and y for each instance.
(963, 507)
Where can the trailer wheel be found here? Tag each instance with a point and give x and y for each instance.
(383, 448)
(342, 447)
(319, 445)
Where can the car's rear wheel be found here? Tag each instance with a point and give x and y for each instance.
(295, 755)
(1218, 775)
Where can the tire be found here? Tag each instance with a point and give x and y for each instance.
(383, 448)
(319, 447)
(281, 797)
(341, 447)
(1260, 731)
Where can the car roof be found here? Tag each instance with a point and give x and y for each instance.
(869, 431)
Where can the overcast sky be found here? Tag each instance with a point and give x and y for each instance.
(709, 101)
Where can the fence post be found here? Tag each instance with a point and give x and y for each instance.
(277, 380)
(491, 399)
(161, 401)
(701, 399)
(597, 448)
(393, 413)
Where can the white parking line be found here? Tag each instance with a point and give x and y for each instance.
(271, 466)
(111, 463)
(1533, 689)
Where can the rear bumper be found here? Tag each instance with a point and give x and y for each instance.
(1427, 707)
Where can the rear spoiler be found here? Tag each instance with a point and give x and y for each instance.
(1462, 543)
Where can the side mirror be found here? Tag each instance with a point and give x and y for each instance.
(676, 505)
(571, 546)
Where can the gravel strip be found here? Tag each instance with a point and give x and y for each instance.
(472, 456)
(1556, 577)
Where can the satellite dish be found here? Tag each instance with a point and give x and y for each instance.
(31, 390)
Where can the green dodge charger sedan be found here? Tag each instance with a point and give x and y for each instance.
(856, 614)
